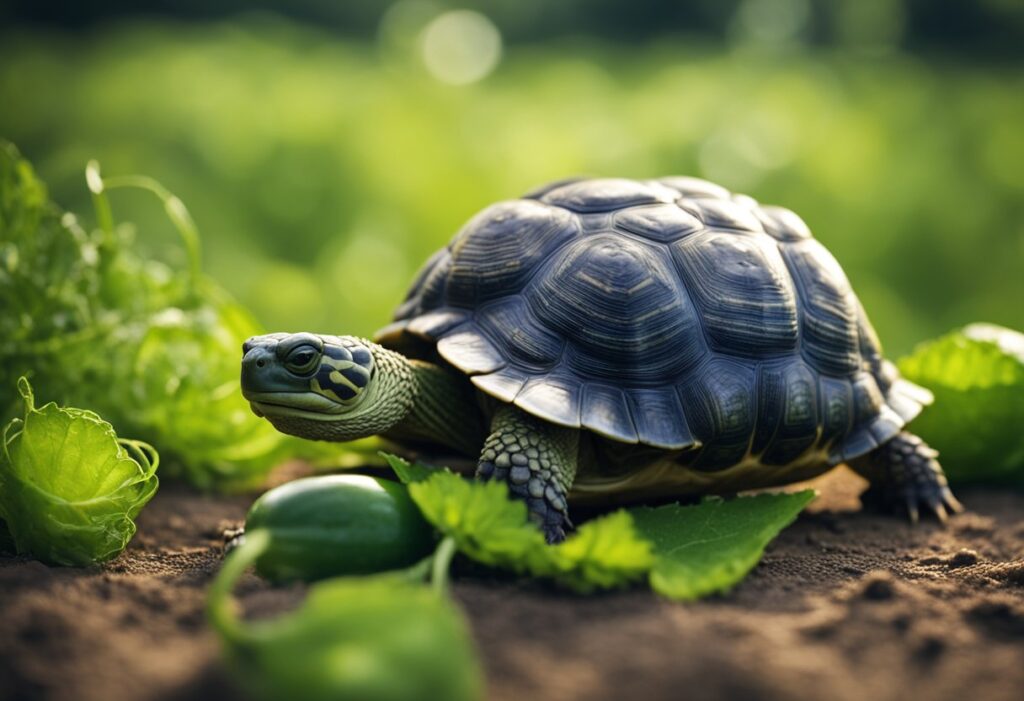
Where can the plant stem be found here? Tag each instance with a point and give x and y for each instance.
(99, 199)
(219, 605)
(442, 563)
(177, 213)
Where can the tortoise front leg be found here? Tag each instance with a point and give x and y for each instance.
(905, 475)
(538, 462)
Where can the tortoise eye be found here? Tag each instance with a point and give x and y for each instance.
(301, 359)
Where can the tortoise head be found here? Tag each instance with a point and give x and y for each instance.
(322, 387)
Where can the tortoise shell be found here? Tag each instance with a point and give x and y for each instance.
(669, 313)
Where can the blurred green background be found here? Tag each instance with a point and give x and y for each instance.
(326, 148)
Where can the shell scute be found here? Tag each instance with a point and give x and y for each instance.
(659, 419)
(607, 194)
(740, 283)
(722, 214)
(606, 412)
(621, 309)
(471, 352)
(662, 222)
(511, 324)
(782, 224)
(501, 248)
(555, 398)
(828, 309)
(720, 400)
(787, 412)
(695, 187)
(504, 384)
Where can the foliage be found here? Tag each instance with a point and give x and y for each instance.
(407, 471)
(710, 547)
(383, 638)
(492, 529)
(69, 487)
(686, 551)
(324, 171)
(153, 348)
(977, 376)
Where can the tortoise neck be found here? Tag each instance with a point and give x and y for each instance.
(443, 412)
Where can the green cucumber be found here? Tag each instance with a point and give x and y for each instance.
(338, 525)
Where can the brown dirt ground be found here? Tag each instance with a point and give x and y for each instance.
(845, 605)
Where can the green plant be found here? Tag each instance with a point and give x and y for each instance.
(69, 487)
(977, 376)
(386, 638)
(152, 347)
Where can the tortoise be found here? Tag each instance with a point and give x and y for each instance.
(619, 340)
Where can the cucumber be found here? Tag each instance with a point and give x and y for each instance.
(338, 525)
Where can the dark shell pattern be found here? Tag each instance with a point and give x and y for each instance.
(669, 313)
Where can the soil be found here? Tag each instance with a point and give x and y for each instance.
(845, 605)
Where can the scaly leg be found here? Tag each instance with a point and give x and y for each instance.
(538, 462)
(904, 474)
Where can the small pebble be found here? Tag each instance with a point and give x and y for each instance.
(878, 588)
(964, 558)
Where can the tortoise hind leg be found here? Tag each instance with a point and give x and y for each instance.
(538, 462)
(904, 474)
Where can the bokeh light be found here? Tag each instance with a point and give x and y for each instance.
(461, 47)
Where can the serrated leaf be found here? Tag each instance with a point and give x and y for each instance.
(977, 376)
(485, 524)
(711, 546)
(603, 554)
(409, 472)
(493, 529)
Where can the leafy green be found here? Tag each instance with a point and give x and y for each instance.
(711, 546)
(153, 348)
(408, 472)
(489, 527)
(485, 524)
(604, 553)
(687, 551)
(383, 638)
(977, 376)
(69, 487)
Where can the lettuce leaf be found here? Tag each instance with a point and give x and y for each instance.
(977, 376)
(69, 487)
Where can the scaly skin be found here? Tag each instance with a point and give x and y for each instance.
(444, 410)
(538, 461)
(904, 474)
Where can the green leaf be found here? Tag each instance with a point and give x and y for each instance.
(493, 529)
(485, 524)
(408, 472)
(605, 553)
(711, 546)
(69, 488)
(382, 638)
(977, 376)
